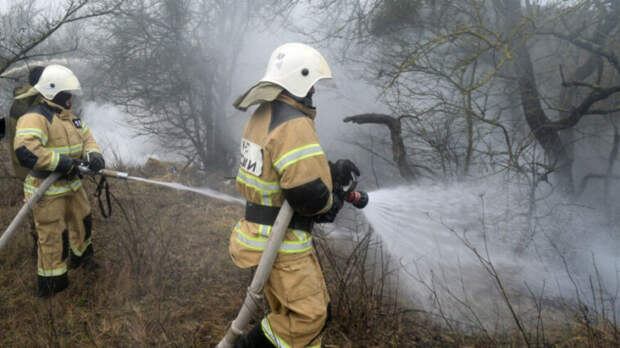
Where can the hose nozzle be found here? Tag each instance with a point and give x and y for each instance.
(358, 199)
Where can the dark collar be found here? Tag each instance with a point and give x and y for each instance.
(52, 107)
(308, 111)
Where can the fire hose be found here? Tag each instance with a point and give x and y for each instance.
(358, 199)
(253, 296)
(23, 212)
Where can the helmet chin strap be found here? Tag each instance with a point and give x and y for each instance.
(306, 101)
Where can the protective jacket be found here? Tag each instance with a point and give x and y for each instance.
(281, 158)
(43, 134)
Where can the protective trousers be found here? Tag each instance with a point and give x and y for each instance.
(298, 299)
(64, 227)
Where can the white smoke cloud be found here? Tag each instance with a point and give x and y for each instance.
(115, 137)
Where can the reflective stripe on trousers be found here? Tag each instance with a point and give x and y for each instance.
(274, 339)
(52, 272)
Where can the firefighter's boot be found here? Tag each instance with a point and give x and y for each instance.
(254, 339)
(49, 286)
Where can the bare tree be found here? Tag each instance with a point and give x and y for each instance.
(170, 64)
(23, 28)
(582, 92)
(489, 81)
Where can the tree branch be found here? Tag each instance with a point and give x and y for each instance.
(399, 153)
(578, 112)
(67, 17)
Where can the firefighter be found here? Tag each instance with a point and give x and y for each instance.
(50, 138)
(282, 159)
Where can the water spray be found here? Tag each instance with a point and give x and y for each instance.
(203, 191)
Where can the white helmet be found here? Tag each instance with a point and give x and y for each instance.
(296, 67)
(55, 79)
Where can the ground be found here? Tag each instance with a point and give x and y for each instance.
(168, 282)
(166, 279)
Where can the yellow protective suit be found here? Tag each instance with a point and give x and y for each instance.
(280, 155)
(47, 137)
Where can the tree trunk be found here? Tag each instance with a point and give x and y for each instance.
(541, 126)
(399, 153)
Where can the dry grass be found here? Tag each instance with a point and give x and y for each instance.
(158, 285)
(166, 279)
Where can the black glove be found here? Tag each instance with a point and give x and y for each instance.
(330, 215)
(68, 166)
(95, 161)
(341, 171)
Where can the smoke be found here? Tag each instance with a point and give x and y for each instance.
(117, 139)
(566, 254)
